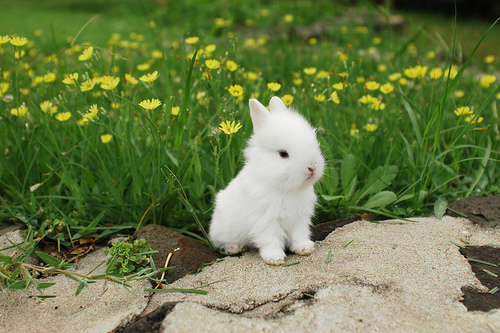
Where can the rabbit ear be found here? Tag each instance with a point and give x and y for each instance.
(259, 114)
(277, 104)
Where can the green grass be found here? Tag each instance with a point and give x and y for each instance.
(390, 152)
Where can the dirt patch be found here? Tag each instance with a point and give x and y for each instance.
(484, 261)
(484, 211)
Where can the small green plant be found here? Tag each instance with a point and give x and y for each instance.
(17, 274)
(127, 258)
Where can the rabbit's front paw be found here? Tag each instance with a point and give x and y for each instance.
(233, 248)
(273, 256)
(275, 262)
(304, 249)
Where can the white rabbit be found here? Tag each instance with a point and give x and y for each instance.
(270, 203)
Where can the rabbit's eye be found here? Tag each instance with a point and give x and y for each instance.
(283, 154)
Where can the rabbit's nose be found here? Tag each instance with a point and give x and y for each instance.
(311, 169)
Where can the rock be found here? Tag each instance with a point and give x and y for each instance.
(484, 211)
(14, 236)
(189, 255)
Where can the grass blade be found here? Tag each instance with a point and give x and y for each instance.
(184, 105)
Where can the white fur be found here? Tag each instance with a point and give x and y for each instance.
(270, 203)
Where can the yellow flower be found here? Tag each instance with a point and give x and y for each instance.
(288, 18)
(372, 85)
(130, 79)
(387, 88)
(431, 55)
(192, 40)
(150, 104)
(319, 97)
(236, 90)
(489, 59)
(47, 106)
(20, 111)
(486, 80)
(353, 130)
(88, 84)
(274, 86)
(313, 41)
(63, 116)
(231, 65)
(361, 29)
(452, 73)
(473, 119)
(92, 112)
(463, 110)
(221, 22)
(71, 78)
(109, 82)
(144, 67)
(382, 67)
(459, 94)
(19, 55)
(157, 54)
(297, 81)
(150, 77)
(86, 54)
(367, 99)
(310, 70)
(251, 76)
(436, 73)
(105, 138)
(339, 86)
(335, 98)
(342, 56)
(287, 99)
(377, 40)
(394, 76)
(210, 48)
(212, 64)
(49, 77)
(417, 71)
(360, 79)
(18, 41)
(175, 110)
(230, 127)
(4, 39)
(378, 105)
(322, 74)
(403, 81)
(371, 127)
(4, 86)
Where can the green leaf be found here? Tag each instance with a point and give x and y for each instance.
(91, 226)
(80, 287)
(184, 104)
(480, 172)
(5, 259)
(380, 200)
(348, 171)
(440, 207)
(21, 284)
(44, 285)
(331, 198)
(379, 179)
(53, 261)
